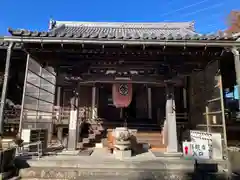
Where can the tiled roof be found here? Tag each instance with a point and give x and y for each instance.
(4, 44)
(119, 31)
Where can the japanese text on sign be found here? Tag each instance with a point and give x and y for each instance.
(197, 150)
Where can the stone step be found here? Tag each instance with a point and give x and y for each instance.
(92, 136)
(97, 132)
(153, 144)
(106, 173)
(88, 145)
(149, 133)
(151, 137)
(100, 128)
(86, 140)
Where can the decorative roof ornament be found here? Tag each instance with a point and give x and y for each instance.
(51, 24)
(192, 25)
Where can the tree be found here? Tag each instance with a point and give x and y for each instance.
(233, 21)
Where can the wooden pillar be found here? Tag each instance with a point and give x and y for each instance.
(149, 94)
(171, 124)
(185, 99)
(59, 129)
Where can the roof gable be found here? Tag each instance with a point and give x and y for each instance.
(133, 25)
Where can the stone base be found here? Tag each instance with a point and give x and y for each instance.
(99, 145)
(69, 152)
(122, 154)
(173, 154)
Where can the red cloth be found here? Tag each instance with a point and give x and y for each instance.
(122, 95)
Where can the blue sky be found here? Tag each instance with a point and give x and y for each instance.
(209, 15)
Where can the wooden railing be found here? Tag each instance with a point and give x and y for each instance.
(59, 115)
(12, 113)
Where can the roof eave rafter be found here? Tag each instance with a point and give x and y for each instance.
(199, 43)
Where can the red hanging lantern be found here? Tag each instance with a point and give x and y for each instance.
(122, 94)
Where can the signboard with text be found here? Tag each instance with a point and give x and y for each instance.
(197, 150)
(202, 136)
(187, 149)
(200, 150)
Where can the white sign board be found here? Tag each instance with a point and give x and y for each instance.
(200, 150)
(197, 150)
(25, 136)
(200, 136)
(214, 142)
(187, 149)
(217, 149)
(73, 119)
(196, 135)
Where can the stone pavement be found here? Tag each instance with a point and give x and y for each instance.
(103, 165)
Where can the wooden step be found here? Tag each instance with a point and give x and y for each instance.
(149, 136)
(149, 133)
(158, 148)
(153, 138)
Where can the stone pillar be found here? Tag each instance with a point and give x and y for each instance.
(149, 94)
(171, 125)
(73, 124)
(236, 53)
(93, 102)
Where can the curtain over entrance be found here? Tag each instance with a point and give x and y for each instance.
(122, 95)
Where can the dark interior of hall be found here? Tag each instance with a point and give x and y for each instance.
(16, 75)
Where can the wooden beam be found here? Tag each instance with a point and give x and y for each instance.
(88, 79)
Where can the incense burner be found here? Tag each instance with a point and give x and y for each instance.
(122, 138)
